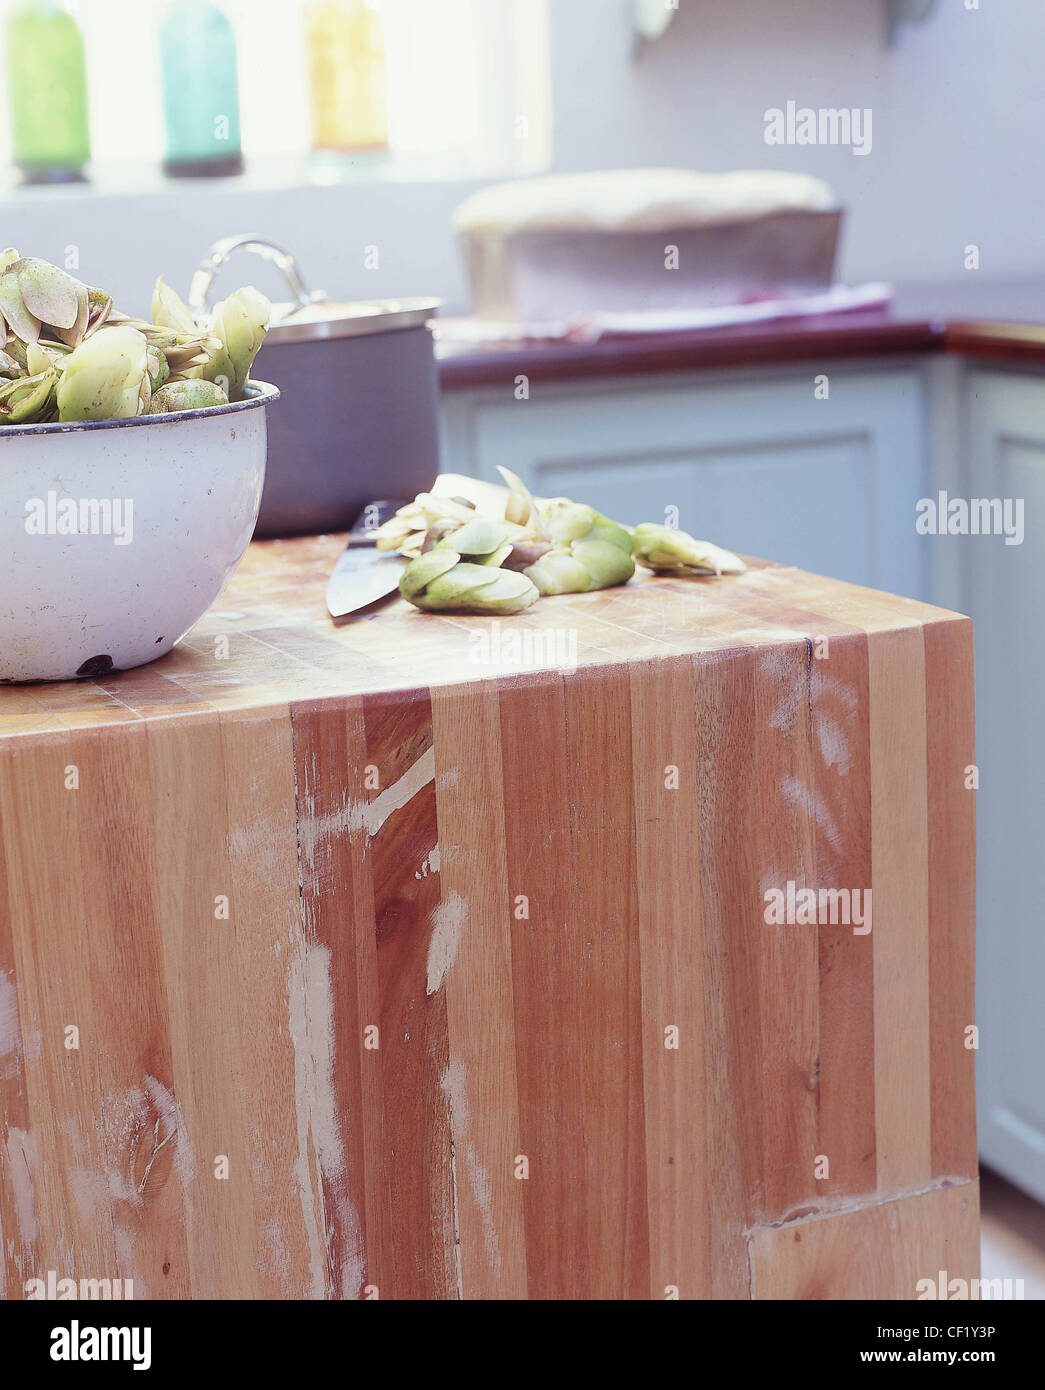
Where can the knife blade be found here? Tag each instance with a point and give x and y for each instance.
(364, 574)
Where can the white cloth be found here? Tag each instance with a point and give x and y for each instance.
(839, 299)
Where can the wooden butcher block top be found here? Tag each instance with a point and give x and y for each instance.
(268, 639)
(462, 966)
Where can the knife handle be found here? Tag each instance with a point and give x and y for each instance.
(373, 515)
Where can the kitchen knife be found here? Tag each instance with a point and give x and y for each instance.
(364, 574)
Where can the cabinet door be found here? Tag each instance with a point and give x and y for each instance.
(1006, 597)
(754, 462)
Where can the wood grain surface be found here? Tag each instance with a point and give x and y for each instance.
(428, 957)
(878, 333)
(891, 1250)
(816, 337)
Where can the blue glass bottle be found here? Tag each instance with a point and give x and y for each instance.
(200, 91)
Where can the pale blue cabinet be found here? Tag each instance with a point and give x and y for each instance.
(754, 461)
(1005, 594)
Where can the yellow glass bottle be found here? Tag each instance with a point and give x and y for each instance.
(346, 57)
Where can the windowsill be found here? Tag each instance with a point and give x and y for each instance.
(265, 175)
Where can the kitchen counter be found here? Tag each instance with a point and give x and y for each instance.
(824, 338)
(409, 959)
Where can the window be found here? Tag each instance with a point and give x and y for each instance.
(468, 85)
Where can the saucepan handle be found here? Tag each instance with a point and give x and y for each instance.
(219, 253)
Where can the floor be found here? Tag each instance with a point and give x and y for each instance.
(1013, 1235)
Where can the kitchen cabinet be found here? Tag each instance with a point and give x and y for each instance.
(389, 960)
(752, 459)
(1005, 595)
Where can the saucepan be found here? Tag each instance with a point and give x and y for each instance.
(358, 417)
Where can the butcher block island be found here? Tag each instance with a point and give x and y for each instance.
(622, 949)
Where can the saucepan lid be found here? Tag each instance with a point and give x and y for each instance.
(327, 318)
(310, 315)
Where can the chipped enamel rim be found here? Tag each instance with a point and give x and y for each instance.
(258, 393)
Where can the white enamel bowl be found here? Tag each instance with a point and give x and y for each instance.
(116, 536)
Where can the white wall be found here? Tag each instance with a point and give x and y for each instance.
(958, 116)
(958, 128)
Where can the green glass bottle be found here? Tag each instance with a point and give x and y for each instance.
(200, 90)
(47, 92)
